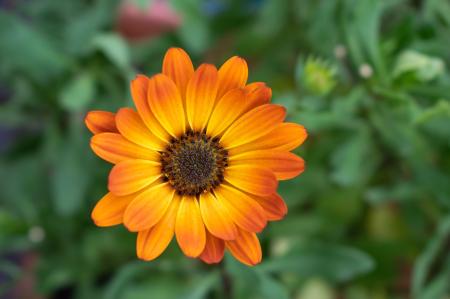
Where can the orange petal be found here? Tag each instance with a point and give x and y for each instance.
(228, 108)
(178, 66)
(214, 250)
(152, 242)
(201, 95)
(139, 92)
(131, 176)
(257, 94)
(148, 207)
(165, 102)
(244, 210)
(110, 209)
(285, 137)
(189, 228)
(113, 148)
(253, 124)
(273, 205)
(216, 217)
(285, 165)
(245, 248)
(100, 121)
(232, 74)
(132, 127)
(255, 180)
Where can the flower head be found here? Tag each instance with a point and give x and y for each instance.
(199, 159)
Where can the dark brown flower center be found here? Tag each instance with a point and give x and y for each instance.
(194, 163)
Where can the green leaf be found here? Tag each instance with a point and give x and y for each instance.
(334, 262)
(116, 50)
(20, 181)
(249, 282)
(200, 287)
(115, 288)
(54, 274)
(269, 288)
(425, 68)
(436, 251)
(27, 50)
(440, 109)
(78, 93)
(354, 160)
(70, 179)
(84, 26)
(361, 23)
(10, 224)
(439, 287)
(155, 287)
(194, 32)
(437, 11)
(271, 19)
(306, 226)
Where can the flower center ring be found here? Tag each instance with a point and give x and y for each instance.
(194, 163)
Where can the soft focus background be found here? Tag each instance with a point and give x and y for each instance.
(370, 217)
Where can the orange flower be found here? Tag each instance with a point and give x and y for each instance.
(200, 160)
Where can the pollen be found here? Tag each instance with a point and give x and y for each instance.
(194, 163)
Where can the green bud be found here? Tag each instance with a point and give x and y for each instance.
(423, 67)
(317, 76)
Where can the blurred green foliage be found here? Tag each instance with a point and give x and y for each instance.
(370, 217)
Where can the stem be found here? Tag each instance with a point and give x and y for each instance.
(226, 281)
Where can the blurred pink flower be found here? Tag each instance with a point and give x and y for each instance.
(135, 23)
